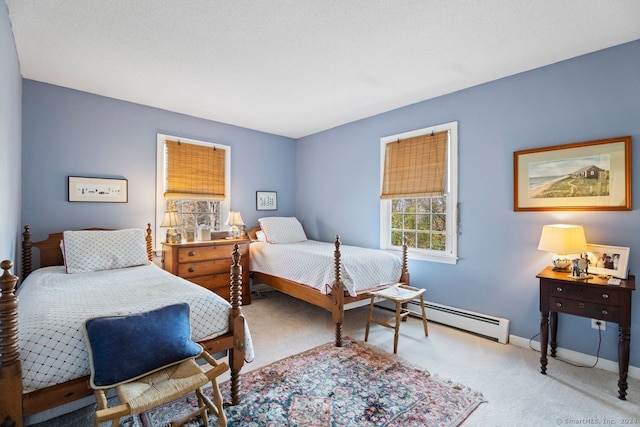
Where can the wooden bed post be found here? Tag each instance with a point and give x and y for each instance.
(149, 239)
(404, 278)
(26, 252)
(236, 325)
(337, 293)
(10, 368)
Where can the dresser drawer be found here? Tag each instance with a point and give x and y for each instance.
(583, 293)
(204, 268)
(585, 309)
(203, 253)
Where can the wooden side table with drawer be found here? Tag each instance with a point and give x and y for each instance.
(592, 298)
(208, 264)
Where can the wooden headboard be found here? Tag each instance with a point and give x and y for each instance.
(50, 253)
(252, 233)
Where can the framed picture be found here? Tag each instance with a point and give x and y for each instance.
(585, 176)
(106, 190)
(266, 201)
(608, 260)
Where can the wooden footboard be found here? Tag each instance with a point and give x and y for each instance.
(336, 299)
(14, 404)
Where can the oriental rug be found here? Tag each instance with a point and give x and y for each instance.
(353, 385)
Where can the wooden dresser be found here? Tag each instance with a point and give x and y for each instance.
(208, 264)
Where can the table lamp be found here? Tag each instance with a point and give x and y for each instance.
(562, 240)
(170, 221)
(235, 222)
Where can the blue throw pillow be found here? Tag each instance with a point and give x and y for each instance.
(122, 348)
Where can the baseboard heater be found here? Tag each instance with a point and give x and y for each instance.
(495, 328)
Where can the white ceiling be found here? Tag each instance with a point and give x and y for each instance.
(296, 67)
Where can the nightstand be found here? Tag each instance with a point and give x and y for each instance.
(208, 264)
(592, 298)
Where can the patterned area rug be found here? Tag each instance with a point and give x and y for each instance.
(354, 385)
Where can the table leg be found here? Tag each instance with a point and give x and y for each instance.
(624, 344)
(554, 332)
(544, 341)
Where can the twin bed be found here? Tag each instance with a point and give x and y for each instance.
(46, 364)
(283, 258)
(103, 272)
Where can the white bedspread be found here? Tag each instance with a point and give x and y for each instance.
(53, 306)
(312, 263)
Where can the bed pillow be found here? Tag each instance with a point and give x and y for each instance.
(97, 250)
(260, 237)
(282, 229)
(122, 348)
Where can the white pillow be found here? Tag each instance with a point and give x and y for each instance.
(282, 229)
(97, 250)
(260, 237)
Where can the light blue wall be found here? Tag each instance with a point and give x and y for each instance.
(592, 97)
(10, 140)
(67, 132)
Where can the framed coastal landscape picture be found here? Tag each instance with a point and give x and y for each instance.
(583, 176)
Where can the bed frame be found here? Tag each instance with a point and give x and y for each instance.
(15, 405)
(333, 302)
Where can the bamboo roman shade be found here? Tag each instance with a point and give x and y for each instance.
(415, 167)
(194, 171)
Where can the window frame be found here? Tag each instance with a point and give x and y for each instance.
(160, 200)
(450, 256)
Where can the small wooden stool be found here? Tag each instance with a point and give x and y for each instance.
(400, 295)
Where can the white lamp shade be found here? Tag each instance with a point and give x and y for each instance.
(234, 218)
(171, 219)
(563, 239)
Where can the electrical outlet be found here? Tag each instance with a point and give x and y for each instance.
(599, 324)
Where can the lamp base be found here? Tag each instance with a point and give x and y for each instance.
(172, 235)
(235, 232)
(561, 263)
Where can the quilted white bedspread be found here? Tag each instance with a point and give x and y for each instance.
(312, 263)
(53, 306)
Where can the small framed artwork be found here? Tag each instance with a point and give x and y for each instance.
(608, 260)
(105, 190)
(266, 201)
(584, 176)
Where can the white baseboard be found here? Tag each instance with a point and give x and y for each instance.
(576, 357)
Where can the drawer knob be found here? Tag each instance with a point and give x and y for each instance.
(558, 304)
(192, 269)
(559, 289)
(192, 253)
(605, 312)
(605, 296)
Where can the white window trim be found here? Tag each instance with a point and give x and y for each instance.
(451, 190)
(160, 202)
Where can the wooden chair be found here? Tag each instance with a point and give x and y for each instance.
(150, 359)
(401, 295)
(165, 386)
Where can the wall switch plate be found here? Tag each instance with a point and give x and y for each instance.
(603, 324)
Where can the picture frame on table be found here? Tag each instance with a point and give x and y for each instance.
(608, 260)
(584, 176)
(101, 190)
(266, 201)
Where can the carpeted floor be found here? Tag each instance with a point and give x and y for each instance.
(350, 386)
(507, 375)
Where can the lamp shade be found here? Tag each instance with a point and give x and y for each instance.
(563, 239)
(234, 218)
(171, 219)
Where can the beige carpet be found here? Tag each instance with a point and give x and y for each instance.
(508, 376)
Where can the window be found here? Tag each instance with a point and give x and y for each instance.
(193, 178)
(419, 192)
